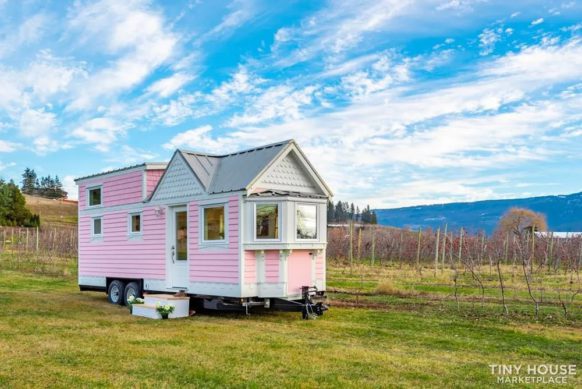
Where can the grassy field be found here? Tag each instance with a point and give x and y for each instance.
(54, 212)
(53, 335)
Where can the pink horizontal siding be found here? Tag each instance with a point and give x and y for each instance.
(215, 264)
(116, 255)
(152, 179)
(116, 190)
(250, 267)
(298, 271)
(272, 266)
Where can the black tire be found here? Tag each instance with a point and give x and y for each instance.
(131, 289)
(115, 292)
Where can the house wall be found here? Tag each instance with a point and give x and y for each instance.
(214, 263)
(152, 179)
(299, 271)
(116, 253)
(117, 189)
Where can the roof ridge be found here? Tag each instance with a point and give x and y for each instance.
(287, 141)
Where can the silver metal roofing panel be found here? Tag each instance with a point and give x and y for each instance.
(232, 172)
(204, 166)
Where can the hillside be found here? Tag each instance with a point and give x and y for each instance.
(53, 211)
(563, 212)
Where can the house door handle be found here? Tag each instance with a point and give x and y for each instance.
(173, 254)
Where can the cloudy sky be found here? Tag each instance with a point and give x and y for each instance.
(396, 102)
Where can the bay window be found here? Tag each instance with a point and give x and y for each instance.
(267, 221)
(306, 221)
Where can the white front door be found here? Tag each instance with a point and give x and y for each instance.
(178, 244)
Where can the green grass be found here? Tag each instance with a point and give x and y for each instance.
(53, 335)
(52, 212)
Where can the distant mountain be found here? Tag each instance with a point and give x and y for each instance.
(564, 213)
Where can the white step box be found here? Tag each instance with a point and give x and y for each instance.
(148, 309)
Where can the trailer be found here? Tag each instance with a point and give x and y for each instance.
(233, 232)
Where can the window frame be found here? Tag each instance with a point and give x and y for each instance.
(202, 220)
(89, 189)
(130, 216)
(93, 234)
(279, 221)
(317, 234)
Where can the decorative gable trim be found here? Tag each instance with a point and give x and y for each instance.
(290, 171)
(178, 181)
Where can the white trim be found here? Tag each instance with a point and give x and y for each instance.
(88, 196)
(131, 207)
(241, 253)
(99, 281)
(317, 233)
(100, 176)
(202, 243)
(279, 222)
(130, 231)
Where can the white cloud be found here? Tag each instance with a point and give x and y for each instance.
(166, 87)
(201, 139)
(4, 166)
(278, 102)
(39, 126)
(8, 147)
(487, 40)
(127, 155)
(130, 30)
(537, 21)
(70, 187)
(101, 132)
(241, 12)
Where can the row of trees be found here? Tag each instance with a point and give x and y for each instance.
(343, 212)
(48, 186)
(13, 211)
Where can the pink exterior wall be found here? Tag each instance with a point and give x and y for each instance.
(152, 179)
(117, 190)
(116, 255)
(250, 267)
(298, 271)
(272, 266)
(214, 264)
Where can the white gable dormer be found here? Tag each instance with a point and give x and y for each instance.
(291, 172)
(178, 181)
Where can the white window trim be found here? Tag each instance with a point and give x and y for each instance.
(203, 242)
(93, 234)
(317, 235)
(129, 224)
(89, 189)
(279, 221)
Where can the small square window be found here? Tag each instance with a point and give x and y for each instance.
(97, 227)
(214, 223)
(135, 223)
(94, 197)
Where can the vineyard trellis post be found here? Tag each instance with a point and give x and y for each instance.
(436, 252)
(444, 250)
(418, 251)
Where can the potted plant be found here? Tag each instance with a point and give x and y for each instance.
(164, 310)
(133, 300)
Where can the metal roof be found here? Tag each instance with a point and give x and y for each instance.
(148, 166)
(232, 172)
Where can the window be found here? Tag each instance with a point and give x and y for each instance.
(306, 221)
(94, 197)
(267, 221)
(135, 223)
(214, 223)
(97, 228)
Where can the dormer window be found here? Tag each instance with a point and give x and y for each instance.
(95, 196)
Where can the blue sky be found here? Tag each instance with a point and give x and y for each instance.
(396, 102)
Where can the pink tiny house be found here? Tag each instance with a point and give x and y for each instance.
(237, 230)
